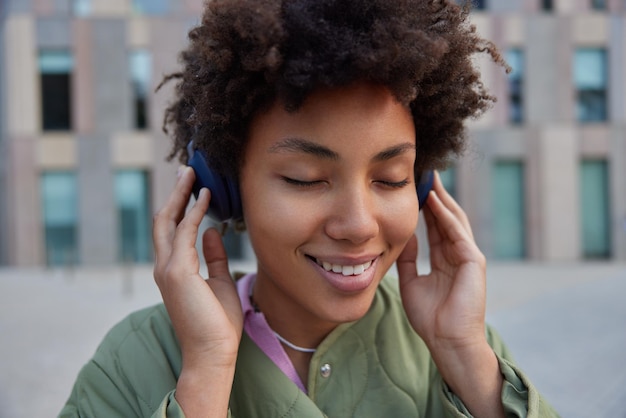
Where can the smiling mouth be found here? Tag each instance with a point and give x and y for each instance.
(345, 270)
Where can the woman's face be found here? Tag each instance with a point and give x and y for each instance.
(329, 201)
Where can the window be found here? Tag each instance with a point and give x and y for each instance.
(56, 67)
(81, 8)
(509, 240)
(515, 58)
(598, 4)
(595, 212)
(141, 74)
(60, 214)
(479, 4)
(132, 199)
(546, 5)
(590, 78)
(151, 7)
(474, 4)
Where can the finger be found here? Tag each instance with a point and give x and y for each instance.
(182, 191)
(215, 254)
(451, 203)
(167, 218)
(220, 279)
(407, 262)
(432, 228)
(187, 230)
(449, 227)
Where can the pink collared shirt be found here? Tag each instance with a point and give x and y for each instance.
(259, 331)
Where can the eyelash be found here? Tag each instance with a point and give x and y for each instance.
(395, 184)
(300, 183)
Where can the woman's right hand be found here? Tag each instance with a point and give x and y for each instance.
(206, 314)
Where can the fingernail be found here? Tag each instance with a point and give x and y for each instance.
(180, 171)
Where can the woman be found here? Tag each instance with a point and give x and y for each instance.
(322, 112)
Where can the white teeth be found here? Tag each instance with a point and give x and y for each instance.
(345, 270)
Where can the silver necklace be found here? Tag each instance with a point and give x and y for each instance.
(280, 337)
(292, 345)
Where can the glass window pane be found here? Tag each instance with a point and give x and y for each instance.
(590, 68)
(598, 4)
(474, 4)
(508, 209)
(56, 68)
(141, 70)
(595, 209)
(141, 74)
(82, 8)
(479, 4)
(60, 214)
(151, 7)
(134, 215)
(515, 58)
(591, 106)
(590, 77)
(55, 62)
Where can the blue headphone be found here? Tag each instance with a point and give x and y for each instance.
(225, 203)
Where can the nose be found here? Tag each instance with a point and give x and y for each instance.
(352, 216)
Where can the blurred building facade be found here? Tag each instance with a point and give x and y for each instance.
(82, 154)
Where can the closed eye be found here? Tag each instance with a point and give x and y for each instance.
(301, 183)
(306, 183)
(394, 184)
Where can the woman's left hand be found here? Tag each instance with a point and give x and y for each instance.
(446, 307)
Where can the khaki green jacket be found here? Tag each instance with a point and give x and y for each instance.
(375, 367)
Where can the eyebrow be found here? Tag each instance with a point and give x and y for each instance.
(305, 146)
(320, 151)
(394, 151)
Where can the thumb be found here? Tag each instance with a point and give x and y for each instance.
(215, 254)
(407, 261)
(220, 280)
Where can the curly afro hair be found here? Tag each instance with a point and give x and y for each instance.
(246, 54)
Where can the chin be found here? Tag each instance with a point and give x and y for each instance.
(351, 308)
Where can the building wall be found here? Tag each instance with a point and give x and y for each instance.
(102, 139)
(550, 143)
(3, 151)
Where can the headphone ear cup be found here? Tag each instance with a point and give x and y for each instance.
(225, 202)
(424, 185)
(236, 209)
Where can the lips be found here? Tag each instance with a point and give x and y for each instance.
(353, 276)
(346, 270)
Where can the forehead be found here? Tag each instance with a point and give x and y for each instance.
(361, 113)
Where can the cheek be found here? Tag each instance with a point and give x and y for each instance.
(270, 217)
(401, 219)
(273, 219)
